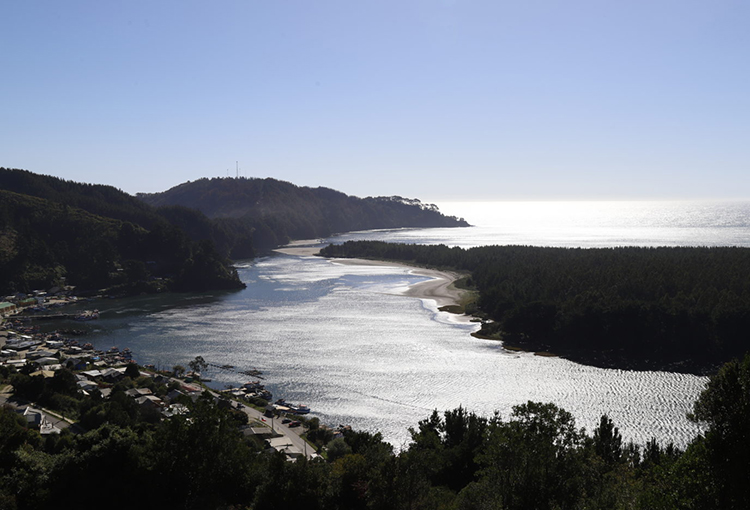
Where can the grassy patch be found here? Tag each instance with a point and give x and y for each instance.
(465, 283)
(494, 336)
(467, 304)
(457, 309)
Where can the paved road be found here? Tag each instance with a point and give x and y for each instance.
(291, 433)
(52, 417)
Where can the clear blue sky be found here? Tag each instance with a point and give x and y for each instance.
(438, 100)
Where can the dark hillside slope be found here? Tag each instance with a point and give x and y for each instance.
(57, 232)
(230, 239)
(99, 199)
(279, 211)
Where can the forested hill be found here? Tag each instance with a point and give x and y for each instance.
(230, 238)
(679, 309)
(98, 199)
(285, 211)
(96, 236)
(54, 231)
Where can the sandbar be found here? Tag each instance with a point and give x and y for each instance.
(305, 248)
(439, 287)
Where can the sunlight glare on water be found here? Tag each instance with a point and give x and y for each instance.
(585, 224)
(334, 338)
(340, 338)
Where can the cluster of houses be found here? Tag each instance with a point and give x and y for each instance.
(20, 346)
(38, 299)
(100, 380)
(249, 391)
(95, 370)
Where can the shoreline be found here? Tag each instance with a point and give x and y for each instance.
(439, 288)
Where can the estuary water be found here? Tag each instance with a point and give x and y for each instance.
(340, 339)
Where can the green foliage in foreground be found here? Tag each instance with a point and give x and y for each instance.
(537, 458)
(679, 309)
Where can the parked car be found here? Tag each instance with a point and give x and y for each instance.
(295, 424)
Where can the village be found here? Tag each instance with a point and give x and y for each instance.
(158, 395)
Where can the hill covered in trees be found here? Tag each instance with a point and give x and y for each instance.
(279, 211)
(230, 238)
(55, 232)
(678, 309)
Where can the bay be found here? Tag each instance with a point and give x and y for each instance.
(341, 339)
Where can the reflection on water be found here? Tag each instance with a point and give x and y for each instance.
(335, 337)
(585, 224)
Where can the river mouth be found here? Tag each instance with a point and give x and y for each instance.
(341, 340)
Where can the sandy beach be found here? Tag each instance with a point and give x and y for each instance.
(439, 288)
(306, 248)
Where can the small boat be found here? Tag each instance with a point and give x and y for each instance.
(252, 373)
(87, 315)
(299, 409)
(265, 395)
(293, 408)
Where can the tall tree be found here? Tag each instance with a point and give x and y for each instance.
(724, 408)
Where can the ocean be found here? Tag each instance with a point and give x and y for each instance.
(586, 224)
(340, 339)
